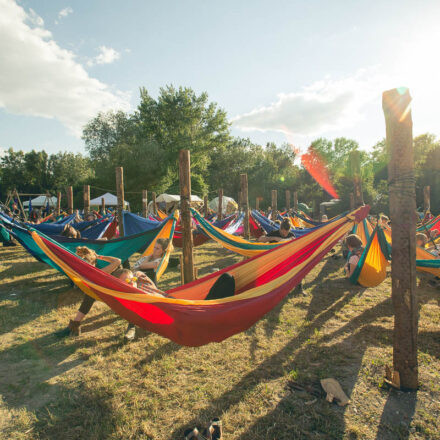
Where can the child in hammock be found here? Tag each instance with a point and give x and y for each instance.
(354, 245)
(150, 263)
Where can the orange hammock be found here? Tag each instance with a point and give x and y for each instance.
(185, 317)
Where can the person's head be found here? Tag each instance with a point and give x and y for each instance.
(353, 241)
(285, 227)
(125, 275)
(86, 254)
(383, 220)
(324, 218)
(160, 247)
(70, 232)
(90, 217)
(421, 239)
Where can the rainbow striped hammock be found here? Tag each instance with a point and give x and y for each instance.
(184, 317)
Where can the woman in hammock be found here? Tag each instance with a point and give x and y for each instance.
(354, 245)
(281, 234)
(90, 257)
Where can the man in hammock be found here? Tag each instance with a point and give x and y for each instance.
(282, 234)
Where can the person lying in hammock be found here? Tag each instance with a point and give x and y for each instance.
(70, 232)
(281, 234)
(354, 245)
(90, 256)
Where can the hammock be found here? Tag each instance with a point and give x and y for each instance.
(185, 318)
(363, 230)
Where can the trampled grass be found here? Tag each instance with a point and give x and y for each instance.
(95, 387)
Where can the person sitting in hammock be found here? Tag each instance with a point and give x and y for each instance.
(281, 234)
(354, 245)
(70, 232)
(90, 256)
(421, 240)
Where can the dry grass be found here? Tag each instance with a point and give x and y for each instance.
(95, 387)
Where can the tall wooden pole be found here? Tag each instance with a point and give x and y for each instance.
(295, 200)
(185, 203)
(120, 196)
(287, 200)
(153, 198)
(245, 200)
(399, 137)
(351, 202)
(355, 162)
(86, 197)
(426, 199)
(274, 204)
(205, 206)
(240, 200)
(220, 204)
(58, 203)
(144, 203)
(69, 200)
(103, 205)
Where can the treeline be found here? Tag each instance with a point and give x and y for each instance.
(146, 143)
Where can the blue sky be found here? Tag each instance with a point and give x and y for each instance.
(283, 70)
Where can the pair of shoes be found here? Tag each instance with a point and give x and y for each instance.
(214, 430)
(130, 334)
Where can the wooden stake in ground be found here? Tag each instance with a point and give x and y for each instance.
(399, 137)
(351, 202)
(153, 198)
(274, 204)
(205, 206)
(220, 204)
(185, 202)
(245, 201)
(295, 201)
(121, 201)
(355, 165)
(287, 200)
(144, 203)
(426, 199)
(86, 199)
(69, 200)
(103, 205)
(58, 212)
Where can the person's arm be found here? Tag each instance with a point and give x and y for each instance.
(351, 265)
(113, 263)
(148, 265)
(144, 278)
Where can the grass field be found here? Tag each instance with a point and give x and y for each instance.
(96, 387)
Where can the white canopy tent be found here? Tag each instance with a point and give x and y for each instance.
(41, 201)
(109, 200)
(168, 202)
(229, 205)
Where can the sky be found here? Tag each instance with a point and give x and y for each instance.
(285, 71)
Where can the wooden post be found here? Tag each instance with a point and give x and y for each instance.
(69, 200)
(58, 203)
(274, 204)
(21, 205)
(144, 203)
(351, 202)
(205, 206)
(355, 164)
(287, 200)
(257, 203)
(240, 200)
(86, 199)
(103, 205)
(220, 204)
(399, 138)
(185, 202)
(120, 196)
(295, 200)
(153, 198)
(245, 200)
(426, 199)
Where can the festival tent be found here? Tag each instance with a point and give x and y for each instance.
(41, 201)
(229, 205)
(169, 202)
(109, 200)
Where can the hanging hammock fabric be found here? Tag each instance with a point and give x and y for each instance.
(432, 225)
(261, 283)
(363, 230)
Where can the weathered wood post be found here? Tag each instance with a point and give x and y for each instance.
(426, 199)
(274, 204)
(120, 196)
(86, 197)
(220, 204)
(287, 200)
(58, 212)
(69, 200)
(185, 203)
(240, 201)
(295, 200)
(351, 202)
(399, 138)
(205, 206)
(355, 165)
(153, 198)
(103, 205)
(144, 203)
(245, 200)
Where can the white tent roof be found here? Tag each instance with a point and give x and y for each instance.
(109, 199)
(41, 201)
(169, 198)
(226, 201)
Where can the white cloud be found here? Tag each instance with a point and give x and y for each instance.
(321, 107)
(34, 18)
(107, 55)
(40, 78)
(65, 12)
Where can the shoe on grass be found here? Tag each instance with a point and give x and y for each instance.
(130, 334)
